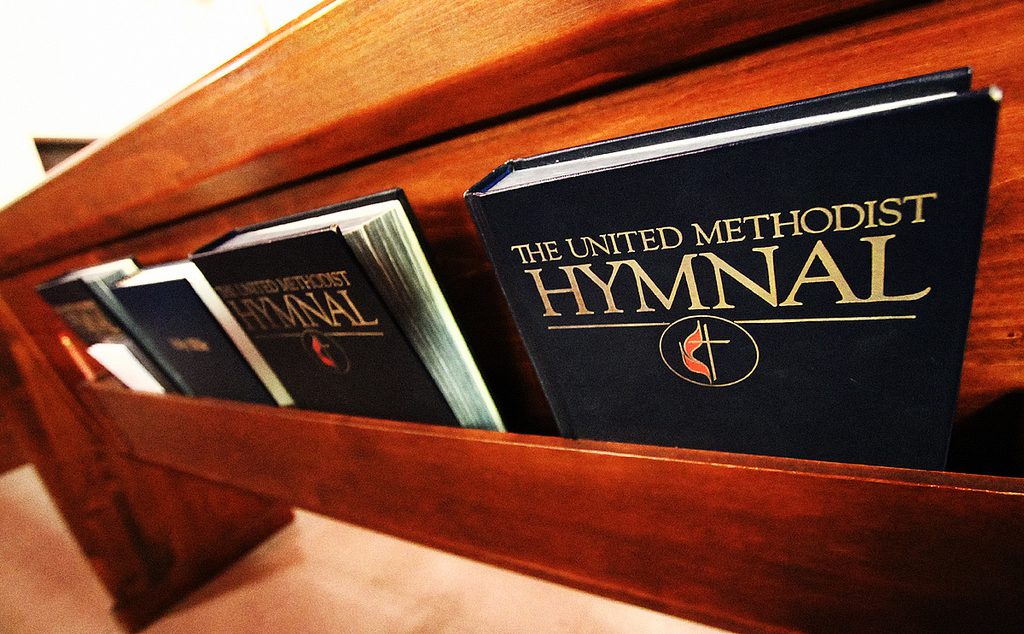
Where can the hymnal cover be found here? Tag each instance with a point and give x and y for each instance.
(84, 300)
(792, 281)
(342, 304)
(166, 302)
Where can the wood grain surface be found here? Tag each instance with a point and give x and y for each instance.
(151, 534)
(14, 408)
(748, 543)
(987, 37)
(354, 79)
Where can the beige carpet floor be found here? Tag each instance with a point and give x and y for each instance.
(317, 575)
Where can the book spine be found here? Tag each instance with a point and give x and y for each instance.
(474, 202)
(140, 343)
(125, 364)
(237, 335)
(426, 320)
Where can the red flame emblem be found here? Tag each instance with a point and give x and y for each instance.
(708, 350)
(690, 345)
(320, 350)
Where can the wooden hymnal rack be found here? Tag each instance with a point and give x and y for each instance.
(162, 491)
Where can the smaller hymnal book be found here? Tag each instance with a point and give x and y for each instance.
(193, 332)
(84, 300)
(791, 281)
(344, 307)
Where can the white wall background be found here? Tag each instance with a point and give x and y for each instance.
(87, 68)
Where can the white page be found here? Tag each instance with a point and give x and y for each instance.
(522, 177)
(119, 360)
(344, 219)
(159, 273)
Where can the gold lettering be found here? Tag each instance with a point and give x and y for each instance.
(86, 316)
(870, 204)
(757, 224)
(593, 246)
(287, 317)
(574, 288)
(878, 274)
(834, 276)
(779, 224)
(887, 209)
(685, 271)
(825, 227)
(734, 230)
(664, 241)
(310, 311)
(226, 291)
(606, 287)
(769, 295)
(352, 312)
(708, 238)
(919, 205)
(189, 344)
(572, 249)
(529, 253)
(839, 216)
(253, 317)
(650, 243)
(628, 237)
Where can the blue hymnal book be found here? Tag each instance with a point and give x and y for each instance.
(342, 304)
(792, 281)
(83, 298)
(184, 334)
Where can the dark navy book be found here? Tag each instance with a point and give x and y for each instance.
(83, 298)
(163, 301)
(793, 281)
(342, 305)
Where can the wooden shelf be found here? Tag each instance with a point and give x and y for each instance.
(739, 541)
(354, 98)
(351, 80)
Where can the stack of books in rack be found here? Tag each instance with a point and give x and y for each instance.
(791, 281)
(334, 310)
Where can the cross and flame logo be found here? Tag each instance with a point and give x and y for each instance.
(326, 351)
(709, 351)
